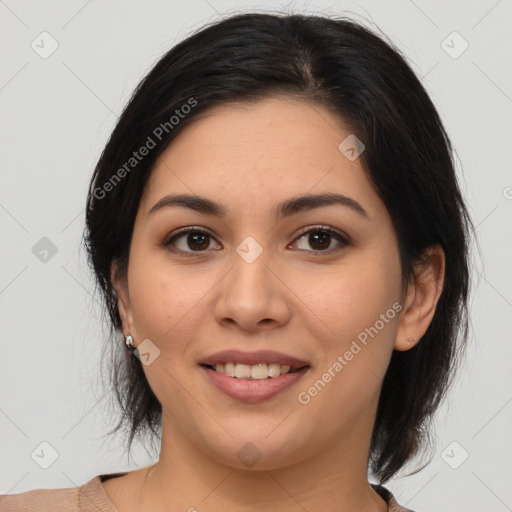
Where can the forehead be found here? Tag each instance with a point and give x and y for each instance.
(256, 154)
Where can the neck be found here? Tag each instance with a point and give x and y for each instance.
(331, 480)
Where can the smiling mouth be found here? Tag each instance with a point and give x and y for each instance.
(259, 371)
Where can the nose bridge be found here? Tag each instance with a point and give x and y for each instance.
(250, 292)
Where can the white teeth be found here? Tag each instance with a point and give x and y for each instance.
(242, 371)
(274, 370)
(257, 371)
(229, 369)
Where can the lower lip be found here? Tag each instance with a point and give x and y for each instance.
(253, 390)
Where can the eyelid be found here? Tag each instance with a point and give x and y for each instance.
(187, 229)
(323, 227)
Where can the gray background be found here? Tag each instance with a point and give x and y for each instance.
(56, 115)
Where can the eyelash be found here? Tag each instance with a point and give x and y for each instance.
(340, 237)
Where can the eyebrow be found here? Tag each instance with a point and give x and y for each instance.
(284, 209)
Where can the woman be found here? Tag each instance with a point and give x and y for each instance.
(277, 231)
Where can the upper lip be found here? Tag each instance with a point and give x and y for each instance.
(253, 358)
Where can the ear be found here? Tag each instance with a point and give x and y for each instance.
(120, 284)
(422, 297)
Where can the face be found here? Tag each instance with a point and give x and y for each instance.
(315, 285)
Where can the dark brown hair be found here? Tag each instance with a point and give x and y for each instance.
(342, 66)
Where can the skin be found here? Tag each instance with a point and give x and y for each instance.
(293, 298)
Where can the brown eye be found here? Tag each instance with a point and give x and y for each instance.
(320, 239)
(199, 241)
(189, 240)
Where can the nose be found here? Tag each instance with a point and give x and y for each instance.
(252, 296)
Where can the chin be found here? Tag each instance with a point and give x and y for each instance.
(260, 452)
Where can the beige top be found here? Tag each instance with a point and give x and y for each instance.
(91, 497)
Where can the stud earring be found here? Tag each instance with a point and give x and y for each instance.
(410, 340)
(129, 341)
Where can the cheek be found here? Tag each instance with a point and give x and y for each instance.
(351, 297)
(357, 308)
(165, 299)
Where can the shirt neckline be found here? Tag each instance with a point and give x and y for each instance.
(94, 496)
